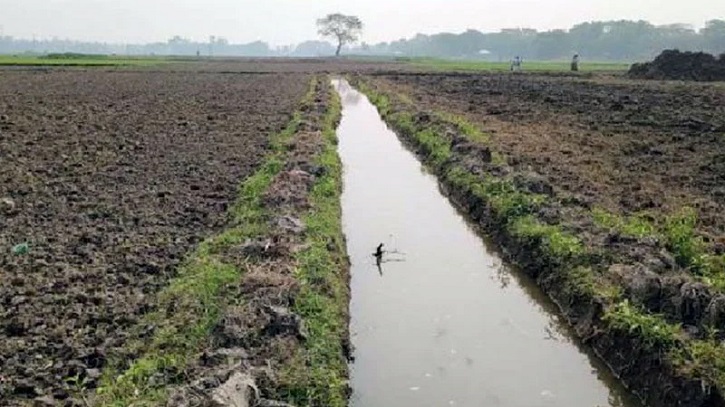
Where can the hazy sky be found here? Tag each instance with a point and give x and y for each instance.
(292, 21)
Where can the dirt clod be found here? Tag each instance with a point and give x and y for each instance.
(7, 206)
(285, 322)
(533, 183)
(289, 224)
(238, 391)
(694, 300)
(716, 311)
(45, 401)
(640, 284)
(273, 403)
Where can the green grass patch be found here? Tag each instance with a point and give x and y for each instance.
(81, 60)
(690, 250)
(534, 66)
(678, 232)
(584, 281)
(436, 149)
(196, 298)
(403, 122)
(558, 244)
(638, 225)
(193, 302)
(714, 271)
(508, 202)
(472, 132)
(318, 374)
(699, 359)
(682, 239)
(381, 101)
(703, 359)
(653, 329)
(384, 106)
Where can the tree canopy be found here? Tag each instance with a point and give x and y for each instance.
(344, 29)
(623, 40)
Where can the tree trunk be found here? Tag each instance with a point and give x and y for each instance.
(339, 48)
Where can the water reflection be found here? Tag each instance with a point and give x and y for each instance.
(502, 275)
(348, 96)
(384, 258)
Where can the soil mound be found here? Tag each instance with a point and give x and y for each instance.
(676, 65)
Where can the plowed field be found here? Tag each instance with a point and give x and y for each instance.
(627, 146)
(109, 179)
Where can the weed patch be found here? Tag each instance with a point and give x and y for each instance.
(403, 122)
(638, 225)
(652, 329)
(471, 132)
(585, 282)
(702, 358)
(506, 200)
(435, 148)
(558, 245)
(691, 251)
(679, 232)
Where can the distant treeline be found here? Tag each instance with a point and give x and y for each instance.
(174, 46)
(603, 41)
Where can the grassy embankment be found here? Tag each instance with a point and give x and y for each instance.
(574, 271)
(81, 60)
(318, 376)
(198, 296)
(534, 66)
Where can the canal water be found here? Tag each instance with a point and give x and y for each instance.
(441, 321)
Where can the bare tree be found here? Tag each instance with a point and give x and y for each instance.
(345, 29)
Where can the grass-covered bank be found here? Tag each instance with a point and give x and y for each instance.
(80, 60)
(267, 297)
(318, 375)
(449, 65)
(604, 294)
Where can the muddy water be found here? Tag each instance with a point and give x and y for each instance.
(441, 321)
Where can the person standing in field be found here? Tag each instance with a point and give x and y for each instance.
(516, 64)
(575, 63)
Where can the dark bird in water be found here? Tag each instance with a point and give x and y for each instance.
(379, 251)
